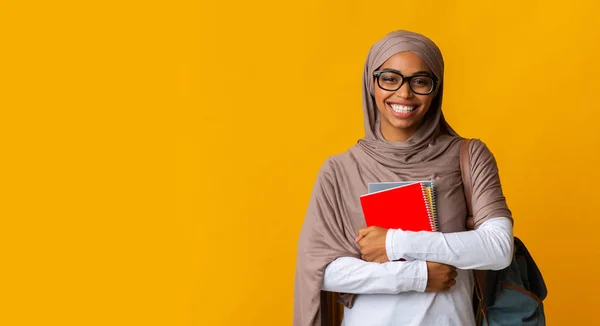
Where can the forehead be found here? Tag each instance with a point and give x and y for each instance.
(406, 62)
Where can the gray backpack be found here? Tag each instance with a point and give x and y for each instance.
(514, 295)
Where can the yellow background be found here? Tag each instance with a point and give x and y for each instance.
(158, 156)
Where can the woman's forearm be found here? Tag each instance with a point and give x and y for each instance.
(353, 275)
(488, 247)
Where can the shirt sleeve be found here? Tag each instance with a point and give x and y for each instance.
(488, 247)
(353, 275)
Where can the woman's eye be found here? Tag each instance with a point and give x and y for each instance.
(421, 82)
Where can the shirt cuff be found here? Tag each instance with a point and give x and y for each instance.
(397, 244)
(421, 284)
(412, 276)
(389, 248)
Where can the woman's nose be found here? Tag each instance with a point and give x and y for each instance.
(404, 91)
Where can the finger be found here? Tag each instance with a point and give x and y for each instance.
(452, 283)
(358, 238)
(362, 242)
(454, 274)
(364, 231)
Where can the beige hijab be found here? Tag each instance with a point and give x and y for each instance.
(334, 214)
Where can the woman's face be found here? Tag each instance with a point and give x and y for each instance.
(402, 111)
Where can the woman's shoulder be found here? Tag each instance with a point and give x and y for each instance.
(480, 155)
(479, 149)
(339, 162)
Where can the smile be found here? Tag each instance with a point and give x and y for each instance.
(402, 108)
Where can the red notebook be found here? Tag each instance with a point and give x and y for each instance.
(404, 207)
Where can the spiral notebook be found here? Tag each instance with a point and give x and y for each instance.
(408, 207)
(429, 187)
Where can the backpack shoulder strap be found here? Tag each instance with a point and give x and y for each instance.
(480, 275)
(465, 172)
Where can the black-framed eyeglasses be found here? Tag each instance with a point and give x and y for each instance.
(391, 80)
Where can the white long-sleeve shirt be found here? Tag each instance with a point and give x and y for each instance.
(392, 293)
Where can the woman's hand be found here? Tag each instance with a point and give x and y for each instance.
(372, 244)
(440, 277)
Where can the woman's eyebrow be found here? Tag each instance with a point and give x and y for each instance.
(391, 69)
(420, 72)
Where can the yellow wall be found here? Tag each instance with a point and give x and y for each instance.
(158, 157)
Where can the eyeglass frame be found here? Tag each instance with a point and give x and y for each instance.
(378, 73)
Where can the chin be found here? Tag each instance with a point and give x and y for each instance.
(402, 125)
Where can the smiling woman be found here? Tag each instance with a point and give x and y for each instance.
(406, 139)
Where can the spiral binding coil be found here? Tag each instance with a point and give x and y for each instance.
(426, 200)
(435, 217)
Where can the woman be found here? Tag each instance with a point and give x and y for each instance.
(406, 139)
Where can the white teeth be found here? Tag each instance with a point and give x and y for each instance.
(402, 109)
